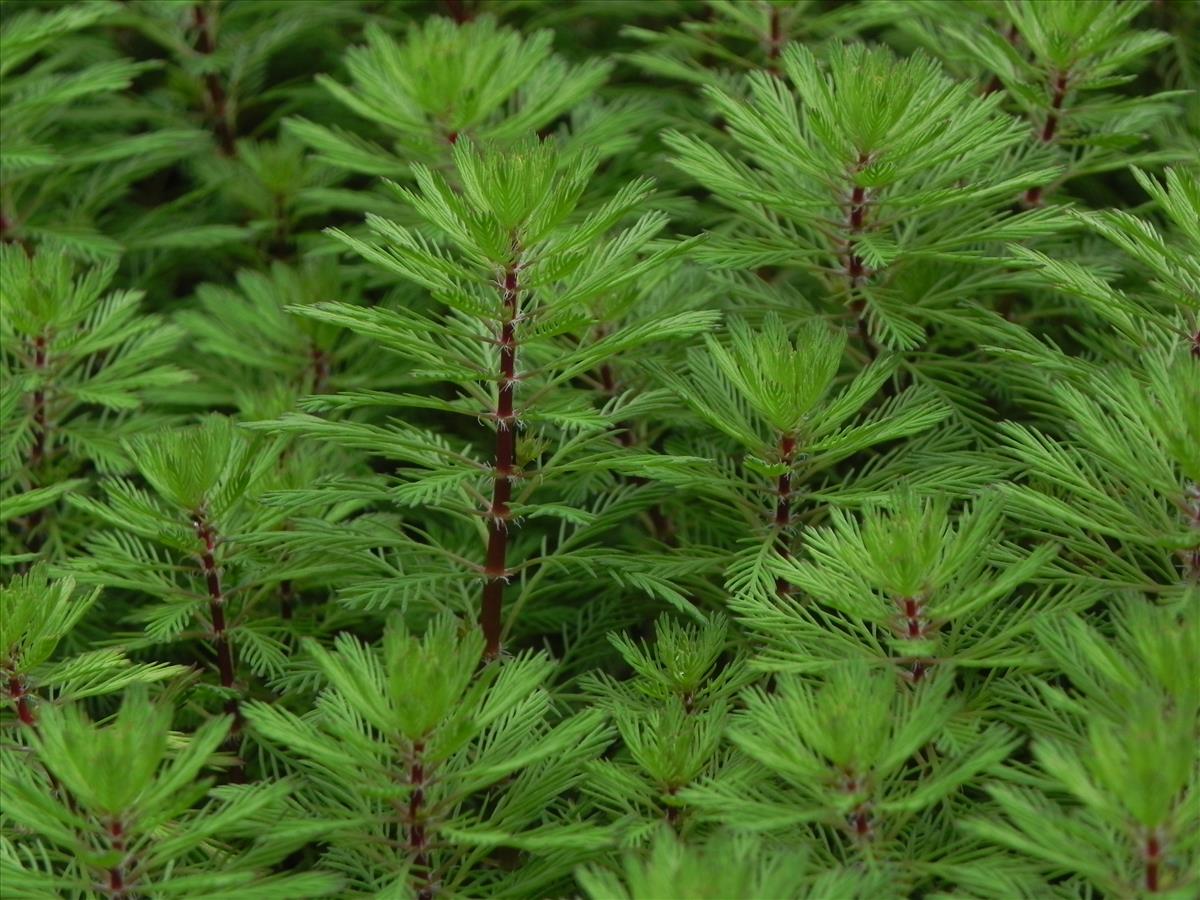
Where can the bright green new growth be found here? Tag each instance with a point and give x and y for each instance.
(133, 824)
(726, 867)
(912, 584)
(855, 185)
(1116, 797)
(407, 754)
(37, 614)
(82, 360)
(474, 79)
(670, 717)
(843, 755)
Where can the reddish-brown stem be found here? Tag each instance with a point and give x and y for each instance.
(319, 361)
(775, 41)
(287, 598)
(914, 626)
(37, 453)
(19, 692)
(503, 470)
(217, 100)
(608, 380)
(858, 213)
(39, 450)
(418, 840)
(860, 822)
(673, 812)
(7, 237)
(1153, 856)
(783, 488)
(1033, 196)
(458, 11)
(216, 608)
(116, 875)
(914, 621)
(855, 268)
(1056, 102)
(783, 503)
(1191, 568)
(20, 696)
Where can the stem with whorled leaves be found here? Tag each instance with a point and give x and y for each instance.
(503, 467)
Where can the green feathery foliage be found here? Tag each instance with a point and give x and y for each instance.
(463, 449)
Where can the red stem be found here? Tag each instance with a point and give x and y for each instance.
(41, 440)
(1192, 557)
(218, 101)
(116, 875)
(914, 623)
(6, 236)
(37, 453)
(854, 264)
(320, 369)
(418, 839)
(783, 503)
(673, 812)
(287, 598)
(458, 11)
(855, 269)
(783, 489)
(1060, 94)
(860, 821)
(16, 689)
(1033, 196)
(775, 41)
(914, 627)
(216, 608)
(1154, 853)
(503, 471)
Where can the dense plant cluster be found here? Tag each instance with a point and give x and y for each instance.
(514, 448)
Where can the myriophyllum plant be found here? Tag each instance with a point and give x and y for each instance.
(446, 80)
(76, 361)
(247, 345)
(70, 145)
(127, 811)
(423, 768)
(513, 265)
(727, 866)
(908, 581)
(1056, 63)
(671, 716)
(771, 392)
(1161, 296)
(1114, 793)
(38, 614)
(175, 542)
(480, 449)
(1120, 493)
(870, 192)
(855, 759)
